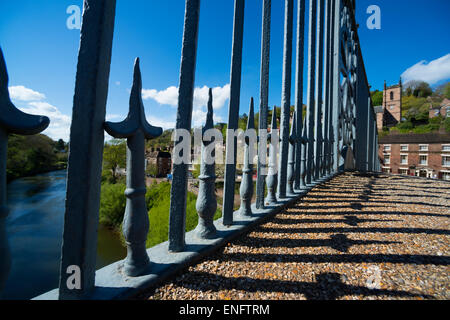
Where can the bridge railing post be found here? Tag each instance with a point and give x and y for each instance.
(285, 99)
(298, 185)
(310, 91)
(178, 192)
(264, 104)
(318, 99)
(79, 247)
(233, 112)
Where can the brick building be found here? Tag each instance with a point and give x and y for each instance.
(424, 155)
(160, 160)
(443, 110)
(390, 113)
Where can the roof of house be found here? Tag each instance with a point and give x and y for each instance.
(378, 109)
(415, 138)
(445, 103)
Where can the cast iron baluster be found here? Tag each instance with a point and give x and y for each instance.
(135, 129)
(291, 162)
(246, 189)
(272, 176)
(206, 201)
(12, 121)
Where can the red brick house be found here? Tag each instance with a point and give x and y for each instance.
(424, 155)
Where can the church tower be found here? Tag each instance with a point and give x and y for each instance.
(392, 104)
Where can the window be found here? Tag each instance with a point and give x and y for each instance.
(387, 159)
(446, 161)
(392, 96)
(446, 176)
(403, 171)
(423, 147)
(387, 147)
(446, 147)
(392, 107)
(404, 147)
(423, 160)
(403, 159)
(448, 111)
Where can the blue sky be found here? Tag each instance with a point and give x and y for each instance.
(41, 53)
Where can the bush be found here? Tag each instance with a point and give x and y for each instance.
(112, 209)
(447, 124)
(112, 204)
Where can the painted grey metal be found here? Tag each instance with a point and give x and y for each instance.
(318, 139)
(12, 121)
(233, 110)
(331, 53)
(246, 189)
(206, 204)
(285, 99)
(291, 159)
(326, 100)
(136, 130)
(299, 89)
(264, 100)
(336, 86)
(178, 192)
(79, 246)
(272, 175)
(310, 91)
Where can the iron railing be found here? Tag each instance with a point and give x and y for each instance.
(338, 133)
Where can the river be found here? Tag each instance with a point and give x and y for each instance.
(34, 228)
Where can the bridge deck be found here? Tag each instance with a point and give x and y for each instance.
(355, 237)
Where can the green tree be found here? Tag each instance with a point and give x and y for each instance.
(377, 97)
(423, 90)
(114, 157)
(152, 170)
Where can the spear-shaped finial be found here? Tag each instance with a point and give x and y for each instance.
(246, 189)
(12, 120)
(136, 115)
(135, 129)
(206, 204)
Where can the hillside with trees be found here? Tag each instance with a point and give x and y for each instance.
(31, 155)
(418, 98)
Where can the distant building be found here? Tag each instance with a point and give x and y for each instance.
(390, 113)
(162, 160)
(443, 109)
(424, 155)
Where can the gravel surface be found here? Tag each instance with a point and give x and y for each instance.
(355, 237)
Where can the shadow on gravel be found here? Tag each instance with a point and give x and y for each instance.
(328, 286)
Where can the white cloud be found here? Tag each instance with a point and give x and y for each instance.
(432, 72)
(158, 122)
(22, 93)
(59, 127)
(169, 96)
